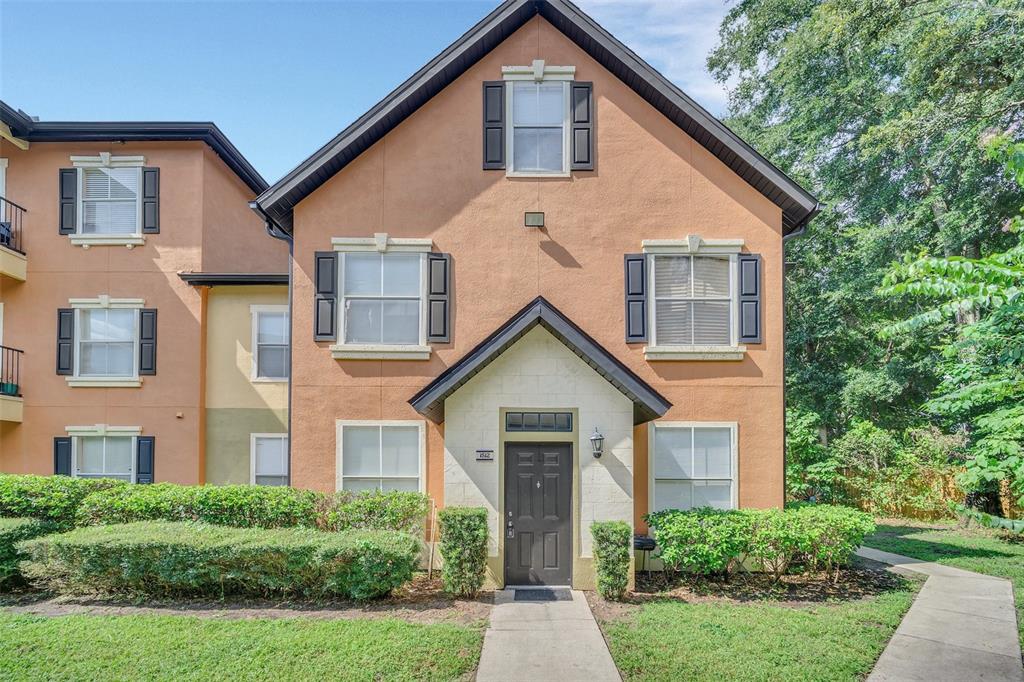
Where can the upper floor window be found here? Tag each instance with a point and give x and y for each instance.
(270, 335)
(107, 342)
(110, 200)
(693, 301)
(382, 298)
(539, 141)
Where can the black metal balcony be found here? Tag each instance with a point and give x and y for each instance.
(11, 220)
(10, 371)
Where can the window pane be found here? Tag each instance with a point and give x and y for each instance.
(108, 325)
(672, 495)
(538, 103)
(672, 325)
(272, 362)
(402, 274)
(360, 451)
(272, 480)
(715, 494)
(272, 328)
(537, 149)
(109, 217)
(401, 322)
(712, 453)
(107, 359)
(401, 452)
(671, 276)
(90, 456)
(711, 277)
(95, 183)
(119, 456)
(710, 323)
(124, 182)
(406, 485)
(672, 456)
(271, 456)
(362, 321)
(360, 484)
(362, 274)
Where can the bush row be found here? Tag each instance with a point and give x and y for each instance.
(463, 549)
(613, 545)
(86, 502)
(13, 531)
(714, 542)
(160, 558)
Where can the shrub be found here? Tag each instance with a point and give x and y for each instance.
(159, 558)
(378, 510)
(613, 543)
(463, 549)
(13, 531)
(49, 498)
(706, 541)
(830, 534)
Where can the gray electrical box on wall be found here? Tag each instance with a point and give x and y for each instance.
(534, 219)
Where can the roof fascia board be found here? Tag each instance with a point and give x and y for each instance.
(212, 279)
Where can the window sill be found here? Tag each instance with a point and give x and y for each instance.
(694, 352)
(269, 380)
(102, 382)
(351, 351)
(524, 174)
(87, 240)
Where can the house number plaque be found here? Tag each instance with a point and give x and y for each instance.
(485, 455)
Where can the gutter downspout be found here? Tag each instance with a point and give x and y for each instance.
(275, 231)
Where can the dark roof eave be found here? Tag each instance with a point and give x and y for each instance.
(213, 279)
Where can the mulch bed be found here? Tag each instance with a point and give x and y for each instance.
(421, 601)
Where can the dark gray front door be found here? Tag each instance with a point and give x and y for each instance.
(538, 514)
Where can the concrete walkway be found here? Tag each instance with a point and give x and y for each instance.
(962, 626)
(544, 640)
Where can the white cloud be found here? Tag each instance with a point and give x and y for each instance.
(673, 36)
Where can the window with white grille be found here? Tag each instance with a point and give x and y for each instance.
(539, 141)
(693, 300)
(107, 342)
(380, 456)
(269, 459)
(693, 466)
(382, 298)
(104, 457)
(110, 200)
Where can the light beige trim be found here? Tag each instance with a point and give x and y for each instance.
(418, 423)
(102, 382)
(105, 301)
(13, 264)
(382, 243)
(103, 430)
(89, 240)
(6, 134)
(107, 160)
(11, 408)
(538, 71)
(655, 353)
(351, 351)
(693, 243)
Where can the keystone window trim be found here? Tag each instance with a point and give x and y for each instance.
(103, 431)
(253, 473)
(381, 424)
(692, 426)
(106, 160)
(538, 73)
(255, 311)
(104, 302)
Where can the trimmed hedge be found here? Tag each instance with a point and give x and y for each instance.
(373, 509)
(613, 544)
(50, 498)
(463, 549)
(155, 558)
(716, 542)
(13, 531)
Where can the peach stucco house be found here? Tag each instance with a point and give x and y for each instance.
(539, 278)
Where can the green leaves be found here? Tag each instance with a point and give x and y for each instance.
(613, 547)
(463, 549)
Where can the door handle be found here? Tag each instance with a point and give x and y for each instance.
(510, 530)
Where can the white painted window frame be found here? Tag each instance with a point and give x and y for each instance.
(652, 457)
(694, 245)
(384, 244)
(79, 380)
(341, 424)
(3, 177)
(106, 160)
(253, 437)
(104, 431)
(566, 130)
(255, 311)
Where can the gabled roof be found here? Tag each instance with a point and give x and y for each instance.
(798, 206)
(29, 129)
(648, 404)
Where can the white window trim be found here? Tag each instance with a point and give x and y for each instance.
(105, 301)
(3, 177)
(252, 454)
(106, 160)
(340, 424)
(733, 435)
(695, 245)
(254, 312)
(382, 243)
(539, 72)
(104, 431)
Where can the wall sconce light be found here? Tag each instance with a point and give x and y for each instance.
(597, 443)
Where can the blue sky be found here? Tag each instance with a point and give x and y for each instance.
(282, 78)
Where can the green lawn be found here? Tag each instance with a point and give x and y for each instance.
(187, 648)
(673, 640)
(976, 549)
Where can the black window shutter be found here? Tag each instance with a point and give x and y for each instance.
(582, 126)
(494, 125)
(65, 341)
(62, 456)
(151, 200)
(147, 341)
(144, 459)
(67, 194)
(325, 304)
(439, 297)
(750, 298)
(636, 297)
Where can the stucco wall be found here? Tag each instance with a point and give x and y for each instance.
(651, 181)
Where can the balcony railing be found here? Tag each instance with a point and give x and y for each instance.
(10, 371)
(11, 219)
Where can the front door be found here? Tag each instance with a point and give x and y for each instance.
(538, 514)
